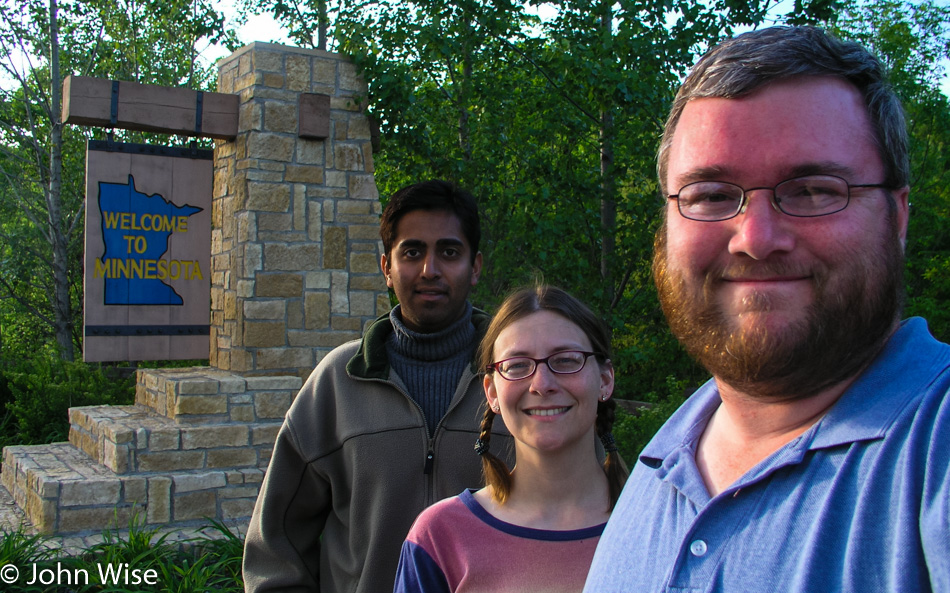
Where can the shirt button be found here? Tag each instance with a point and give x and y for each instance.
(698, 547)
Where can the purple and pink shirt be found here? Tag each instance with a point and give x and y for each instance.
(457, 546)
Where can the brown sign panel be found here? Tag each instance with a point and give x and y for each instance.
(148, 252)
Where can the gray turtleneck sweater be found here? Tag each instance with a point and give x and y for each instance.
(430, 364)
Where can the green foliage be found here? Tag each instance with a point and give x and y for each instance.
(36, 393)
(42, 163)
(198, 564)
(21, 550)
(913, 41)
(634, 431)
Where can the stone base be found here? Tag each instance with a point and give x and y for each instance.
(170, 467)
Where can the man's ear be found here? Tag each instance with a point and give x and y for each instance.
(384, 266)
(901, 196)
(476, 268)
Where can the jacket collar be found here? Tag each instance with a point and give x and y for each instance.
(371, 361)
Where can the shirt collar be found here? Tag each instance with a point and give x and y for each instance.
(866, 410)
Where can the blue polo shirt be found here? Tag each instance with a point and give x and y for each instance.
(858, 503)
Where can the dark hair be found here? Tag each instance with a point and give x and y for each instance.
(518, 305)
(740, 66)
(434, 195)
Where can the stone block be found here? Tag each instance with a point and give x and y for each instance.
(294, 315)
(363, 187)
(194, 505)
(167, 439)
(334, 248)
(348, 157)
(265, 60)
(335, 179)
(364, 263)
(41, 512)
(273, 383)
(304, 174)
(135, 491)
(280, 117)
(310, 152)
(352, 207)
(268, 197)
(198, 481)
(168, 461)
(383, 304)
(274, 221)
(200, 405)
(339, 293)
(278, 285)
(368, 232)
(159, 500)
(209, 437)
(116, 457)
(264, 309)
(221, 458)
(324, 71)
(369, 166)
(291, 257)
(272, 404)
(237, 508)
(362, 303)
(339, 323)
(373, 282)
(358, 128)
(318, 281)
(300, 207)
(316, 310)
(241, 414)
(269, 334)
(264, 145)
(285, 358)
(298, 72)
(349, 79)
(271, 80)
(239, 492)
(97, 518)
(89, 492)
(196, 386)
(266, 434)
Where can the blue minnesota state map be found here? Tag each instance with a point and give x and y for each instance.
(136, 229)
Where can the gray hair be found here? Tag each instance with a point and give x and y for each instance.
(740, 66)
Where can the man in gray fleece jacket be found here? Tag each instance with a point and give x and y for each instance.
(386, 425)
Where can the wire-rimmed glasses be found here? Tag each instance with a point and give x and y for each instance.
(805, 197)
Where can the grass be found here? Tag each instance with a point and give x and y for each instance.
(140, 559)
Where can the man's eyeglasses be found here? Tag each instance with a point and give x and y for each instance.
(522, 367)
(813, 195)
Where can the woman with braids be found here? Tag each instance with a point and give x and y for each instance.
(534, 527)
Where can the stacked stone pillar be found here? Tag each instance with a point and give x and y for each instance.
(295, 256)
(295, 273)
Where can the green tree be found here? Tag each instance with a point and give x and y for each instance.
(913, 40)
(41, 199)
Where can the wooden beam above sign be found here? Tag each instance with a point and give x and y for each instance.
(149, 108)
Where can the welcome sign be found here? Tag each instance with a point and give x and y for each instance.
(148, 252)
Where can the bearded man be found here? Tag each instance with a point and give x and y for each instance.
(818, 456)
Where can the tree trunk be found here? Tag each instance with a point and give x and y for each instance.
(62, 308)
(608, 200)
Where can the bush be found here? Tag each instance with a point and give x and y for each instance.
(634, 431)
(194, 565)
(36, 393)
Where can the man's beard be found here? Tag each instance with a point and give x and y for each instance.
(838, 334)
